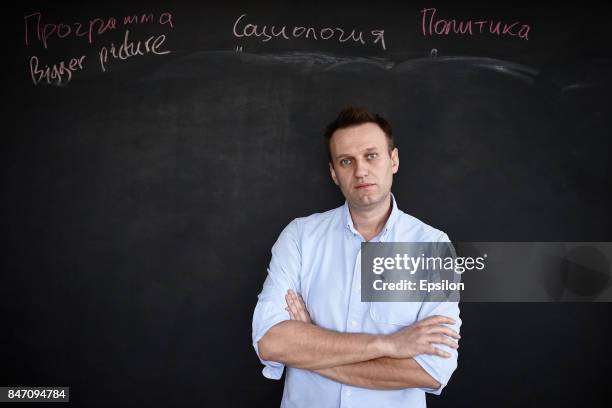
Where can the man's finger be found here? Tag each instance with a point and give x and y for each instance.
(441, 353)
(301, 307)
(290, 314)
(291, 305)
(306, 312)
(301, 299)
(444, 330)
(294, 309)
(437, 320)
(442, 339)
(303, 313)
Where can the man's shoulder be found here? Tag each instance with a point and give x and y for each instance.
(314, 224)
(320, 218)
(412, 228)
(311, 228)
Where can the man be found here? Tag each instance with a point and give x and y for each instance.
(339, 351)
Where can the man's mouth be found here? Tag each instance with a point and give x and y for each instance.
(359, 186)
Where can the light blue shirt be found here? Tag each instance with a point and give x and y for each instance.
(319, 257)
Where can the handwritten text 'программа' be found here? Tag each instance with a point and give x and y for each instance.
(61, 72)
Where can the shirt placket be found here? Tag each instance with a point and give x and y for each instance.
(354, 317)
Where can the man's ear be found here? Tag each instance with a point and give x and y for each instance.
(332, 172)
(395, 160)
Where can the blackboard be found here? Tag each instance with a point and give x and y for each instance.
(142, 193)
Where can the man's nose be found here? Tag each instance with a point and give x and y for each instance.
(361, 169)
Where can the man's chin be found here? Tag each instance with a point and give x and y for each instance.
(367, 200)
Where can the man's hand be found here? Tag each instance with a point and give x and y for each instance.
(411, 341)
(420, 337)
(296, 307)
(395, 371)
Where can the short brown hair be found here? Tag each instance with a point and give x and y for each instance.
(351, 116)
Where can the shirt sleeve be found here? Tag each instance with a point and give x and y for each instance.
(282, 275)
(437, 367)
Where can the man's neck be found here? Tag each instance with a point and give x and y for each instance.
(370, 221)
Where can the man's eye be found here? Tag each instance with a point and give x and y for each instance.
(345, 162)
(371, 156)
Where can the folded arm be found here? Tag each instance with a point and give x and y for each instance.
(382, 374)
(304, 345)
(362, 360)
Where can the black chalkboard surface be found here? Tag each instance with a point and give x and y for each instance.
(154, 151)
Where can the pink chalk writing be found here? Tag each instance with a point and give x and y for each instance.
(41, 32)
(38, 30)
(432, 25)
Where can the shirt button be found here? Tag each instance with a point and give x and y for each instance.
(348, 393)
(354, 324)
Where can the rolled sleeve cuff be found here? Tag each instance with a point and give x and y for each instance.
(428, 364)
(272, 369)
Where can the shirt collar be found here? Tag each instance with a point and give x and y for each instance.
(388, 225)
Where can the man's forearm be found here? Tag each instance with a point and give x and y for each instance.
(303, 345)
(382, 374)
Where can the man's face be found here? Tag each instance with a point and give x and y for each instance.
(361, 164)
